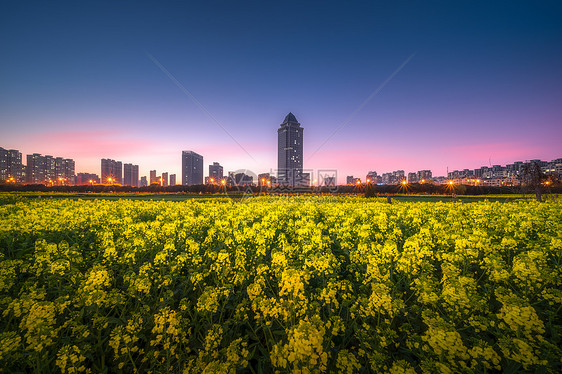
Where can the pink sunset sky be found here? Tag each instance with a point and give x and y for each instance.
(377, 86)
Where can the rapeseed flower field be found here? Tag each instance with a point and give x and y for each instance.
(288, 285)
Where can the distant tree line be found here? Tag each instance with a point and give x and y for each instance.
(369, 190)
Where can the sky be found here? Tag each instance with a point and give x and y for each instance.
(376, 85)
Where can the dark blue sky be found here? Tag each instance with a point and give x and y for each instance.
(484, 84)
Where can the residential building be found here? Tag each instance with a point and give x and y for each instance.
(35, 169)
(241, 179)
(393, 177)
(371, 177)
(153, 177)
(264, 180)
(192, 168)
(164, 180)
(111, 171)
(87, 178)
(131, 175)
(143, 182)
(289, 151)
(172, 179)
(49, 170)
(10, 165)
(215, 172)
(424, 176)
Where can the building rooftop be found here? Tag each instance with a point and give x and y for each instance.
(290, 118)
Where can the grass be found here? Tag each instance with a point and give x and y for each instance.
(12, 196)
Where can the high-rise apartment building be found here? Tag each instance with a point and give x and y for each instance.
(424, 175)
(172, 179)
(153, 177)
(215, 172)
(290, 151)
(64, 170)
(50, 170)
(35, 168)
(372, 177)
(192, 168)
(164, 180)
(10, 165)
(131, 175)
(111, 169)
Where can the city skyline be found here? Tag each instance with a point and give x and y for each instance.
(379, 86)
(49, 170)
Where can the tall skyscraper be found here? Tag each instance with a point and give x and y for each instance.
(172, 179)
(131, 175)
(191, 168)
(216, 172)
(111, 169)
(164, 179)
(289, 151)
